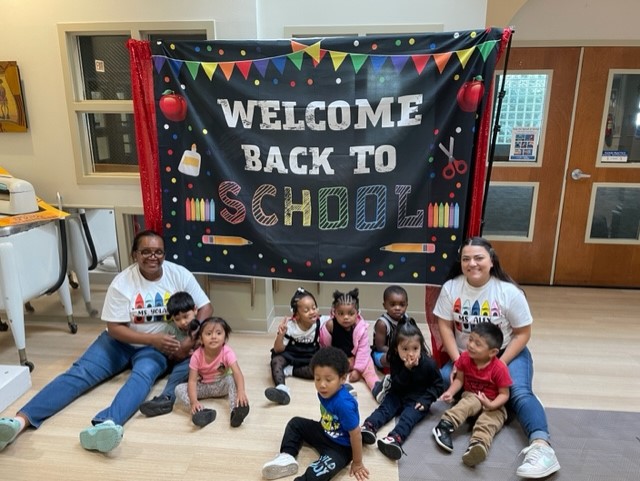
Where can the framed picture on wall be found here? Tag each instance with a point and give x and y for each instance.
(13, 117)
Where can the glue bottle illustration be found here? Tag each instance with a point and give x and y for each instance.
(190, 162)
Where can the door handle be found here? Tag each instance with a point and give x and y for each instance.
(577, 174)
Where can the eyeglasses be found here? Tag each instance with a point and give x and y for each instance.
(147, 253)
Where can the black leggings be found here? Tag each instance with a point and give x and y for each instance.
(278, 363)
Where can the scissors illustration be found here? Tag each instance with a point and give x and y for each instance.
(453, 165)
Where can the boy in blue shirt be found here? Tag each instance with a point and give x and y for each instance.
(336, 436)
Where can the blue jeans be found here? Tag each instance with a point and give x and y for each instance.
(526, 406)
(393, 405)
(179, 374)
(102, 360)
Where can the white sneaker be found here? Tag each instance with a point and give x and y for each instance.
(282, 465)
(539, 461)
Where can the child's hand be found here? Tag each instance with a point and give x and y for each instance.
(419, 407)
(359, 471)
(484, 400)
(354, 376)
(242, 400)
(410, 362)
(282, 327)
(446, 397)
(195, 407)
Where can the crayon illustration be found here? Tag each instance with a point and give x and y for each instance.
(411, 248)
(225, 240)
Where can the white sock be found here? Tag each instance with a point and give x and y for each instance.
(288, 371)
(284, 387)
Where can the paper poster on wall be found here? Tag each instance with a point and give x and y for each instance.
(524, 144)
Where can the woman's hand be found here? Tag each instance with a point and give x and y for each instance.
(166, 343)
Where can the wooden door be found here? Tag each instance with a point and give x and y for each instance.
(529, 259)
(603, 249)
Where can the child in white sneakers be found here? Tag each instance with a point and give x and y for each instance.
(486, 381)
(336, 436)
(297, 340)
(347, 331)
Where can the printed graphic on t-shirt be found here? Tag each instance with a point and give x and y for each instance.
(151, 308)
(470, 312)
(330, 423)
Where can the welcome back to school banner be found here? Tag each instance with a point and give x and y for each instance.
(336, 159)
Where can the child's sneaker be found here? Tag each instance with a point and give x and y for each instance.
(238, 414)
(278, 394)
(103, 437)
(368, 433)
(390, 447)
(442, 434)
(282, 465)
(381, 388)
(475, 454)
(539, 461)
(204, 417)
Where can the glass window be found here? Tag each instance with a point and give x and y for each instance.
(522, 114)
(509, 210)
(98, 84)
(621, 126)
(615, 213)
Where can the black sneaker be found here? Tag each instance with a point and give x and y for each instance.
(442, 434)
(279, 396)
(238, 414)
(157, 406)
(368, 433)
(381, 388)
(204, 417)
(390, 447)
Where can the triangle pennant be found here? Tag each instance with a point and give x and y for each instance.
(227, 68)
(323, 52)
(377, 61)
(486, 48)
(175, 66)
(158, 62)
(399, 61)
(441, 60)
(193, 68)
(261, 65)
(244, 66)
(358, 60)
(296, 58)
(297, 46)
(209, 68)
(279, 62)
(337, 58)
(420, 61)
(465, 55)
(314, 51)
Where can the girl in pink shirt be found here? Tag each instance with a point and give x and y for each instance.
(214, 372)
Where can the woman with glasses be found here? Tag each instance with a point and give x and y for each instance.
(134, 312)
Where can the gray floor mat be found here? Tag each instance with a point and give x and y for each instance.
(590, 445)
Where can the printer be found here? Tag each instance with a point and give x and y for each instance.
(16, 196)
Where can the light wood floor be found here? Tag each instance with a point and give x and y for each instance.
(585, 346)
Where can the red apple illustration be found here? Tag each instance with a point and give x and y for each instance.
(173, 106)
(470, 94)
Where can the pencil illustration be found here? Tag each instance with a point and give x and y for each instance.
(414, 248)
(225, 240)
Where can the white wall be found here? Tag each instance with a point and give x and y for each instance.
(273, 15)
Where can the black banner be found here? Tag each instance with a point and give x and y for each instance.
(334, 159)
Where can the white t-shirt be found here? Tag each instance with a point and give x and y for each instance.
(499, 302)
(133, 299)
